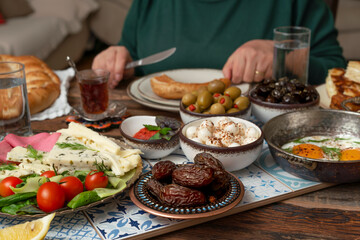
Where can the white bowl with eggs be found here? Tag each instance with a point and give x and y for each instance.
(236, 142)
(151, 149)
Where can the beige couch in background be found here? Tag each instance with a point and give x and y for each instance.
(47, 29)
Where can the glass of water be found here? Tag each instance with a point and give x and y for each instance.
(291, 53)
(14, 106)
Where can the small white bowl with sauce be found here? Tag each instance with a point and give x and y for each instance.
(151, 149)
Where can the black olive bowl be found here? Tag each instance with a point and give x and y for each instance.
(294, 125)
(264, 111)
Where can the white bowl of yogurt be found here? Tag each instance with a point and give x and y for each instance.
(236, 142)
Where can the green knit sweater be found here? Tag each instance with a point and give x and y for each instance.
(207, 32)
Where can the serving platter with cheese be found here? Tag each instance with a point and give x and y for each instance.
(76, 151)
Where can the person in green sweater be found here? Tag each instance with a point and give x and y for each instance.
(232, 35)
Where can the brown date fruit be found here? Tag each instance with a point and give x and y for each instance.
(163, 170)
(221, 180)
(179, 196)
(208, 160)
(193, 175)
(154, 187)
(221, 177)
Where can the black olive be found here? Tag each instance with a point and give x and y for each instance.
(276, 94)
(288, 98)
(290, 87)
(264, 89)
(268, 80)
(270, 99)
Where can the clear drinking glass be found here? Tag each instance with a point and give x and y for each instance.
(14, 105)
(291, 53)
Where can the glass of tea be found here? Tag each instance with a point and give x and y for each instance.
(94, 91)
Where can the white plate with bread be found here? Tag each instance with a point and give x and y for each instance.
(167, 88)
(341, 84)
(133, 93)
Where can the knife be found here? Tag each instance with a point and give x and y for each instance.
(151, 59)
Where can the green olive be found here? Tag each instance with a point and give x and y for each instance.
(216, 86)
(217, 108)
(233, 92)
(193, 108)
(188, 99)
(242, 102)
(226, 102)
(216, 97)
(204, 99)
(195, 93)
(232, 110)
(201, 89)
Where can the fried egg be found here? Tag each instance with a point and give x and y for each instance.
(340, 148)
(308, 150)
(350, 154)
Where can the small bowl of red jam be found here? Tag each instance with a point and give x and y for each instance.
(155, 136)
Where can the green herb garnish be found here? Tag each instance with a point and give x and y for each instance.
(72, 146)
(298, 141)
(332, 152)
(33, 153)
(165, 132)
(336, 139)
(101, 167)
(152, 127)
(7, 167)
(319, 141)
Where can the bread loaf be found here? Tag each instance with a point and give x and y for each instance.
(168, 88)
(43, 85)
(342, 84)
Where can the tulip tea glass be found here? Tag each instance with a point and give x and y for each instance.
(94, 91)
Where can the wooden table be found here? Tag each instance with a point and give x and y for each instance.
(332, 213)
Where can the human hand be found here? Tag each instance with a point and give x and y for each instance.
(114, 59)
(251, 62)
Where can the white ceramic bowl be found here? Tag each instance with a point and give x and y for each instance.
(233, 158)
(264, 111)
(188, 116)
(152, 149)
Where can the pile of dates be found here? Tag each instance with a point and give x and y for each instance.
(189, 185)
(285, 91)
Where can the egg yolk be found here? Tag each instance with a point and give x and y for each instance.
(350, 154)
(308, 150)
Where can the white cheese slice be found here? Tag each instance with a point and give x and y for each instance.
(67, 157)
(91, 138)
(21, 154)
(35, 167)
